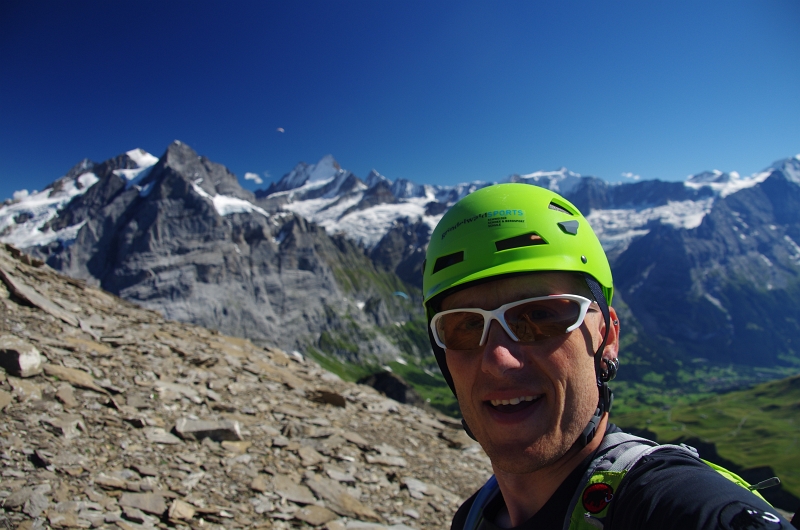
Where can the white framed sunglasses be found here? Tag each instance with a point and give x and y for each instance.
(528, 320)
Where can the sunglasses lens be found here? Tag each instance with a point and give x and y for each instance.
(461, 330)
(530, 322)
(542, 319)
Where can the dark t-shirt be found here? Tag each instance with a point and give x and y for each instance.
(669, 489)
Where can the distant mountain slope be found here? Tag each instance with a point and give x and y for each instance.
(706, 270)
(187, 240)
(756, 428)
(726, 289)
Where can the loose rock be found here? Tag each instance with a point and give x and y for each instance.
(215, 430)
(315, 515)
(136, 421)
(19, 357)
(147, 502)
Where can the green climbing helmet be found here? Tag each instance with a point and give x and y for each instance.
(511, 228)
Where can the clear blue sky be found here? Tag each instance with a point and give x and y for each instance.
(432, 91)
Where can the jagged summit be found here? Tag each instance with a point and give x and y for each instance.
(181, 235)
(304, 174)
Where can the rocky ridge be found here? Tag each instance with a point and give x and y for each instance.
(182, 237)
(113, 417)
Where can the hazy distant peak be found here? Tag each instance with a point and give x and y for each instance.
(324, 170)
(374, 178)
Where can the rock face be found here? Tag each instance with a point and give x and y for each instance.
(187, 240)
(715, 290)
(137, 422)
(323, 262)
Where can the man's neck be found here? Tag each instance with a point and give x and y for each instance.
(525, 494)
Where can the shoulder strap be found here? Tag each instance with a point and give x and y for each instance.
(485, 495)
(617, 453)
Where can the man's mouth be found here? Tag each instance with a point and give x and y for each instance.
(513, 404)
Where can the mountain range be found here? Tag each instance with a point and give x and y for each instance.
(322, 261)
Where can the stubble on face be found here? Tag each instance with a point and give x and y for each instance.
(560, 371)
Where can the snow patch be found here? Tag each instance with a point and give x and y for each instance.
(142, 158)
(616, 228)
(22, 220)
(724, 184)
(225, 205)
(716, 303)
(562, 181)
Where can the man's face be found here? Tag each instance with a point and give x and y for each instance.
(554, 379)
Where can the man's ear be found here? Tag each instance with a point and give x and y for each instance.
(611, 350)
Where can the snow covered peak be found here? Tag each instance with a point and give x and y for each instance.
(307, 175)
(144, 163)
(324, 170)
(405, 189)
(374, 178)
(790, 167)
(708, 177)
(561, 181)
(724, 184)
(142, 158)
(23, 220)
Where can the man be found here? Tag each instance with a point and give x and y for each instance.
(517, 290)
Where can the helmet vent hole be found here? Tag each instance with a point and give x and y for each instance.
(559, 208)
(443, 262)
(525, 240)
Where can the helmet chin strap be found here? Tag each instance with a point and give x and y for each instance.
(603, 376)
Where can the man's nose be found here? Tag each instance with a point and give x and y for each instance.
(501, 352)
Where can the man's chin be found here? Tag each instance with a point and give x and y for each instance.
(518, 457)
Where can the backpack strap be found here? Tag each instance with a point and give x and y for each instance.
(617, 453)
(608, 457)
(482, 499)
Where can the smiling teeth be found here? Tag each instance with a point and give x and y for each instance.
(512, 401)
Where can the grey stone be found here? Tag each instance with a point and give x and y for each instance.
(73, 376)
(327, 396)
(416, 488)
(180, 390)
(152, 503)
(215, 430)
(107, 482)
(5, 399)
(309, 456)
(290, 490)
(134, 514)
(146, 470)
(180, 510)
(66, 396)
(19, 357)
(36, 504)
(339, 500)
(160, 436)
(25, 390)
(67, 426)
(315, 515)
(259, 483)
(18, 498)
(33, 297)
(384, 460)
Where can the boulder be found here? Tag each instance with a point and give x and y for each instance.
(19, 357)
